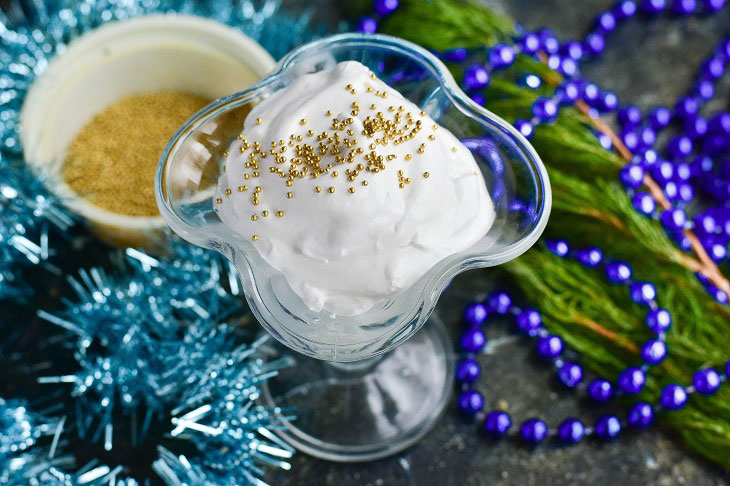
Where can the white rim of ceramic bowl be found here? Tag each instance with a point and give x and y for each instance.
(258, 60)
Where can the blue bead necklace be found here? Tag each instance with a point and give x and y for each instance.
(630, 381)
(699, 139)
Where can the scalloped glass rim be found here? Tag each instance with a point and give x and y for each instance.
(415, 303)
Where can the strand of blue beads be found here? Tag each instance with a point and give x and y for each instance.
(630, 381)
(638, 133)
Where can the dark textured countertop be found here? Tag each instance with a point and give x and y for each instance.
(646, 63)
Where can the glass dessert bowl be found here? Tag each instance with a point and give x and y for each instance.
(361, 388)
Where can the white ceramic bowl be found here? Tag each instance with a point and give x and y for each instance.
(153, 53)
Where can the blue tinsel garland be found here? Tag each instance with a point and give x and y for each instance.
(148, 339)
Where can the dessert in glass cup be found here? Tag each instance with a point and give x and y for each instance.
(348, 188)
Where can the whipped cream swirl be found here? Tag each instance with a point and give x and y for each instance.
(350, 190)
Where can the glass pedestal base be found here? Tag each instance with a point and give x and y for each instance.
(365, 410)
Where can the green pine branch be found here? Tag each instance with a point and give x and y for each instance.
(591, 208)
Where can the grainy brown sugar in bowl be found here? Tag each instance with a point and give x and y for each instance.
(112, 161)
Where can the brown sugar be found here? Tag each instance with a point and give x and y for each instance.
(112, 160)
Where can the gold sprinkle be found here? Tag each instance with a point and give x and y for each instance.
(255, 237)
(372, 76)
(349, 86)
(334, 173)
(228, 192)
(373, 106)
(364, 183)
(242, 188)
(288, 183)
(225, 154)
(420, 150)
(353, 91)
(264, 213)
(254, 217)
(259, 121)
(258, 189)
(318, 189)
(426, 174)
(351, 190)
(329, 113)
(409, 156)
(246, 176)
(435, 126)
(303, 121)
(391, 108)
(331, 190)
(280, 213)
(423, 113)
(453, 149)
(289, 195)
(431, 137)
(310, 133)
(218, 200)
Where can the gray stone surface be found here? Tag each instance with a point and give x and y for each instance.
(646, 63)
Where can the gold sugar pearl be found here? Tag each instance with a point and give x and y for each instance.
(364, 183)
(426, 174)
(453, 149)
(280, 213)
(310, 133)
(264, 213)
(431, 137)
(391, 108)
(329, 113)
(289, 183)
(331, 190)
(353, 91)
(435, 127)
(349, 86)
(303, 121)
(254, 217)
(225, 154)
(351, 190)
(289, 195)
(423, 113)
(258, 189)
(372, 76)
(255, 237)
(373, 106)
(246, 176)
(318, 189)
(409, 156)
(228, 192)
(259, 121)
(334, 173)
(218, 200)
(242, 188)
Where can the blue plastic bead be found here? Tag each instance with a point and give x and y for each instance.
(499, 302)
(607, 427)
(719, 295)
(476, 76)
(605, 22)
(706, 381)
(647, 137)
(455, 55)
(632, 176)
(550, 43)
(558, 247)
(470, 402)
(545, 109)
(713, 68)
(478, 98)
(497, 423)
(568, 92)
(533, 431)
(643, 292)
(705, 89)
(686, 192)
(570, 374)
(673, 397)
(501, 55)
(571, 431)
(591, 94)
(530, 80)
(696, 127)
(659, 117)
(525, 128)
(658, 320)
(475, 314)
(624, 9)
(629, 115)
(568, 67)
(467, 370)
(604, 139)
(386, 7)
(618, 272)
(367, 25)
(673, 219)
(550, 346)
(727, 368)
(684, 7)
(686, 106)
(590, 257)
(473, 340)
(671, 190)
(654, 351)
(529, 320)
(649, 157)
(594, 43)
(530, 43)
(644, 203)
(712, 5)
(663, 171)
(653, 6)
(679, 146)
(600, 390)
(609, 101)
(720, 124)
(641, 415)
(682, 172)
(705, 224)
(572, 49)
(631, 380)
(630, 138)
